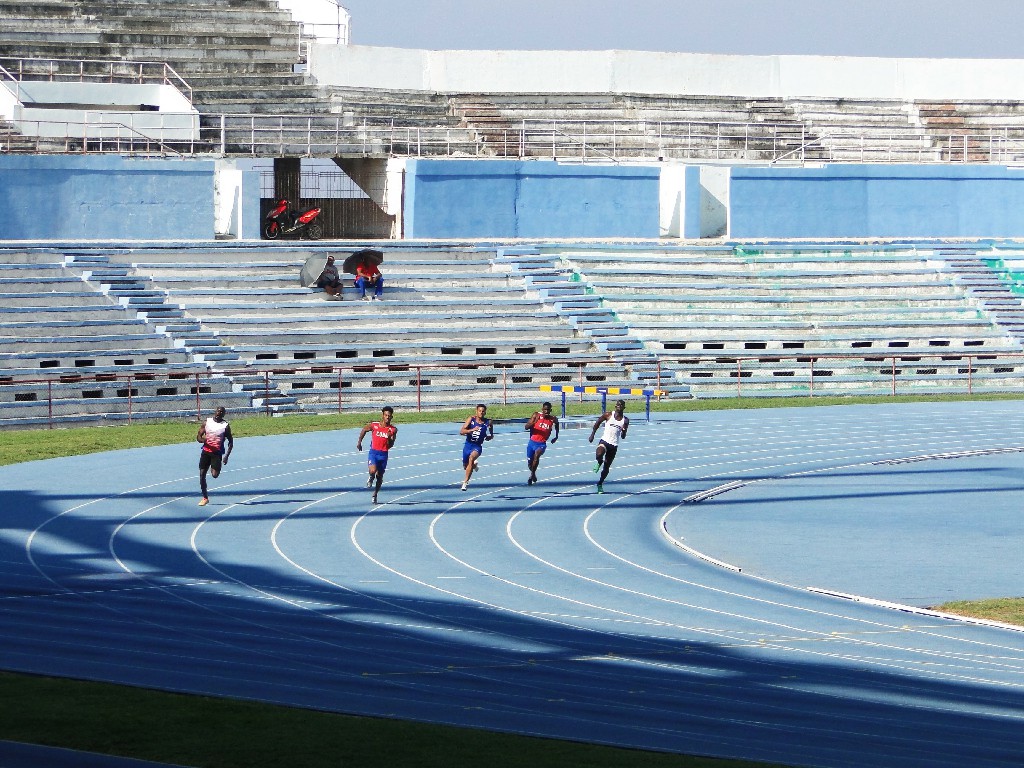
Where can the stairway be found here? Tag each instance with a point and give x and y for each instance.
(137, 293)
(985, 284)
(575, 301)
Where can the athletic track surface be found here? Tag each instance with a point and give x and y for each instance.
(630, 618)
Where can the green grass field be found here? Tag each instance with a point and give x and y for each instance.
(219, 733)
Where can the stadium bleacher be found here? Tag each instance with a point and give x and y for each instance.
(159, 326)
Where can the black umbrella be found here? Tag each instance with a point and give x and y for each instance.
(365, 256)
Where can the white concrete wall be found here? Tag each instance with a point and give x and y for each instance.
(326, 20)
(714, 200)
(175, 119)
(227, 199)
(165, 97)
(672, 192)
(668, 73)
(394, 194)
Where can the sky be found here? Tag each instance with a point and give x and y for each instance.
(900, 28)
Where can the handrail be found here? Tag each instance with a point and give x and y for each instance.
(164, 72)
(806, 145)
(316, 135)
(133, 135)
(582, 143)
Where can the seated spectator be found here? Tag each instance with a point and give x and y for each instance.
(367, 274)
(330, 279)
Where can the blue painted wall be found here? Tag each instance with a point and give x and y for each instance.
(498, 198)
(877, 201)
(105, 197)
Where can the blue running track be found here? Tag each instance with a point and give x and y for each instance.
(780, 619)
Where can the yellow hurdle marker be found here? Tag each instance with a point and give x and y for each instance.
(604, 392)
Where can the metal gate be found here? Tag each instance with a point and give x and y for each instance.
(348, 212)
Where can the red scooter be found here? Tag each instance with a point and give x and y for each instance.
(282, 219)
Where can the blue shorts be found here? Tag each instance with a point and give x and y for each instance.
(468, 449)
(534, 447)
(378, 459)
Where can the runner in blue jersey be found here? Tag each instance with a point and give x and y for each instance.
(476, 428)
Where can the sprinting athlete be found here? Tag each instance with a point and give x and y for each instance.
(383, 436)
(477, 429)
(540, 427)
(215, 435)
(616, 424)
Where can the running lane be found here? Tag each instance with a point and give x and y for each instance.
(548, 609)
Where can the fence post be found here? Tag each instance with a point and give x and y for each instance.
(49, 401)
(199, 405)
(419, 388)
(812, 377)
(130, 382)
(970, 375)
(339, 391)
(894, 375)
(504, 386)
(739, 377)
(266, 391)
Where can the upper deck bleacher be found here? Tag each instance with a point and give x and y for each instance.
(244, 68)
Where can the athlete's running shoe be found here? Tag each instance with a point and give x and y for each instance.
(532, 480)
(597, 467)
(369, 481)
(600, 488)
(203, 501)
(464, 485)
(476, 466)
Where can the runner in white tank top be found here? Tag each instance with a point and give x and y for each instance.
(616, 424)
(215, 435)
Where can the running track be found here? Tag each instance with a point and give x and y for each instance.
(548, 609)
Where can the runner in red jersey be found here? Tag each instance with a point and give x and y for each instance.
(383, 436)
(540, 427)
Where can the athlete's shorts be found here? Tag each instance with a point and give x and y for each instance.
(209, 459)
(378, 459)
(468, 449)
(533, 447)
(609, 452)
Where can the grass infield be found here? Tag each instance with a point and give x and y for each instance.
(205, 732)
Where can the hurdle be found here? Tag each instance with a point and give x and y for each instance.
(604, 392)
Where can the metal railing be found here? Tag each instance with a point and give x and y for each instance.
(94, 71)
(358, 388)
(94, 137)
(614, 141)
(823, 374)
(128, 397)
(333, 135)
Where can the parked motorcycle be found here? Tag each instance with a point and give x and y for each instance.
(282, 219)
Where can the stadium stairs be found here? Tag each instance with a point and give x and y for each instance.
(995, 278)
(794, 320)
(454, 320)
(73, 354)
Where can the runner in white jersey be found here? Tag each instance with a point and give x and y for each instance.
(616, 424)
(215, 435)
